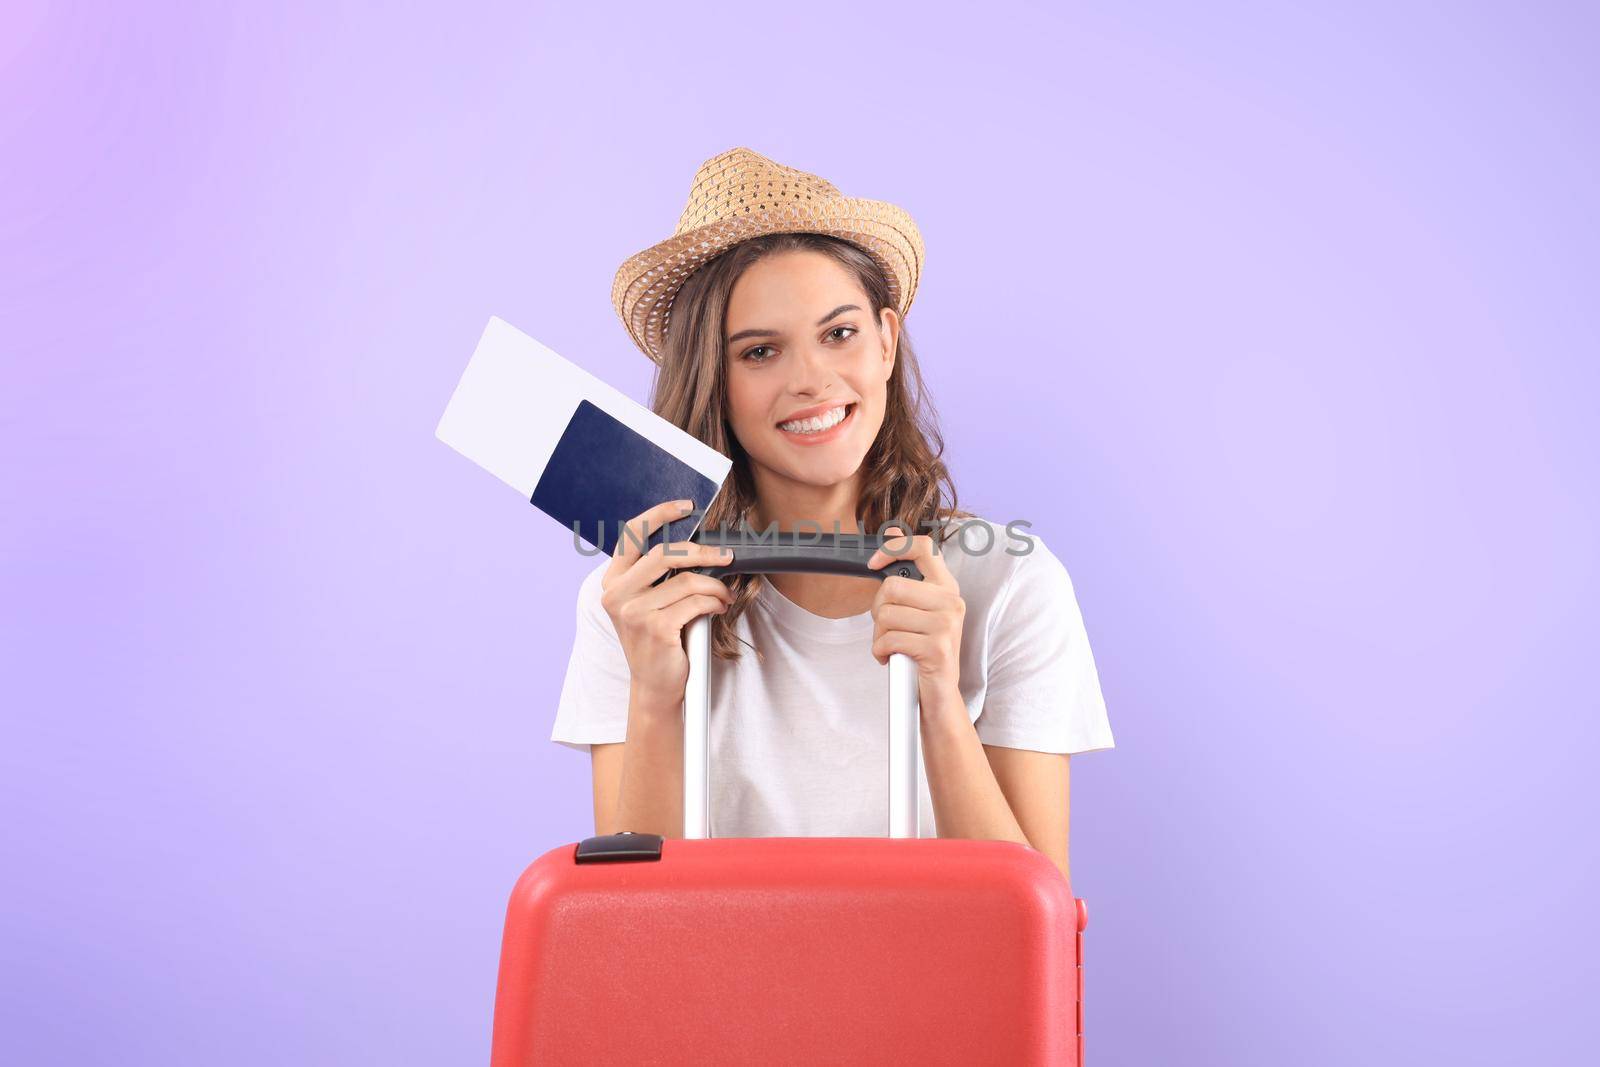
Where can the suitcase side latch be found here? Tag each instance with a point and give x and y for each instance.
(616, 848)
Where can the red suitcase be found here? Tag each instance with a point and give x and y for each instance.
(631, 949)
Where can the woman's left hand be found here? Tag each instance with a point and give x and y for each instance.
(921, 619)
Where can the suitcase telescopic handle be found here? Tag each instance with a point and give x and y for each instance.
(799, 553)
(804, 553)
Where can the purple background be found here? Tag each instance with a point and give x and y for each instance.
(1277, 321)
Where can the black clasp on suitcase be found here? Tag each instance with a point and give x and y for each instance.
(623, 847)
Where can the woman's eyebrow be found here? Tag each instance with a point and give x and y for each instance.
(835, 313)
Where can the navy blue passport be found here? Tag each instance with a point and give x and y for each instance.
(584, 453)
(602, 474)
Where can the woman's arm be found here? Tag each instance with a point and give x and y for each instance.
(1037, 787)
(638, 784)
(992, 793)
(1019, 797)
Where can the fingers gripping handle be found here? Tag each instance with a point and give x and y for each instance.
(904, 717)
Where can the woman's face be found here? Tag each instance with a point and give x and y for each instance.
(802, 344)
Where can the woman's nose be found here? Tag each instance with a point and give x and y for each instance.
(811, 371)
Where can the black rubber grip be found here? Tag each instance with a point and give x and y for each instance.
(800, 552)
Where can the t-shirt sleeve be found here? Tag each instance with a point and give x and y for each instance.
(593, 709)
(1043, 691)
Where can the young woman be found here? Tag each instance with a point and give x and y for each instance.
(776, 316)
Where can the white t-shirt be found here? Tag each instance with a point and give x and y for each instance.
(799, 739)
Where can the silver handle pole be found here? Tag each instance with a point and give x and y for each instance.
(905, 738)
(697, 732)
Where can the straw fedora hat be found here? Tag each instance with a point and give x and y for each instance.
(742, 194)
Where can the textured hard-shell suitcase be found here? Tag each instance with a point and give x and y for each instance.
(631, 949)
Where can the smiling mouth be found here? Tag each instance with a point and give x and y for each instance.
(818, 423)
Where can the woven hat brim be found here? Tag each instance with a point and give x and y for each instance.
(645, 285)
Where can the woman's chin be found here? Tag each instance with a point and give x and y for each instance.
(823, 471)
(819, 469)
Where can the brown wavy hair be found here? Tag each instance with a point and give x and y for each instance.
(905, 478)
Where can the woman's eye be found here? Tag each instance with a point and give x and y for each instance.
(753, 354)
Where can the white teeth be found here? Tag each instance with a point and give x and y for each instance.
(817, 423)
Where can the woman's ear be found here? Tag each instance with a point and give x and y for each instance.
(889, 333)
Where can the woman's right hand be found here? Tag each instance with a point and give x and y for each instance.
(650, 619)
